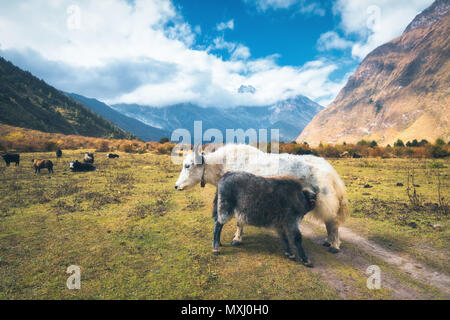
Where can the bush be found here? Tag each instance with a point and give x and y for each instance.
(165, 148)
(103, 146)
(51, 146)
(435, 164)
(126, 147)
(399, 143)
(439, 151)
(164, 140)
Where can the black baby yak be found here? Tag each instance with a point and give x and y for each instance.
(77, 166)
(39, 164)
(276, 202)
(11, 157)
(58, 153)
(88, 158)
(112, 156)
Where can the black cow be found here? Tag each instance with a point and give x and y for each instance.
(112, 156)
(77, 166)
(11, 157)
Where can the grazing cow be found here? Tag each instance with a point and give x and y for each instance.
(272, 202)
(58, 153)
(88, 158)
(39, 164)
(77, 166)
(11, 157)
(112, 156)
(332, 203)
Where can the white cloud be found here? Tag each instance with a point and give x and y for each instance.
(226, 25)
(301, 6)
(144, 53)
(375, 22)
(241, 52)
(331, 40)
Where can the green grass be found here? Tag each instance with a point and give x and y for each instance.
(384, 213)
(135, 237)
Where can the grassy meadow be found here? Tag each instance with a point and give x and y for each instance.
(135, 237)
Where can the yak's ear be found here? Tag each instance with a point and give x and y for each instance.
(198, 157)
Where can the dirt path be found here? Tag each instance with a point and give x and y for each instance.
(358, 253)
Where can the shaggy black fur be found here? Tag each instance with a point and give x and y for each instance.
(11, 157)
(77, 166)
(276, 202)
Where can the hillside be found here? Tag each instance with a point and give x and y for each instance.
(289, 116)
(400, 90)
(26, 101)
(136, 127)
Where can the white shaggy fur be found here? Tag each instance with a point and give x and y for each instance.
(331, 206)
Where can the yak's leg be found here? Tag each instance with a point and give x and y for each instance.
(216, 241)
(297, 239)
(333, 241)
(237, 240)
(285, 241)
(214, 215)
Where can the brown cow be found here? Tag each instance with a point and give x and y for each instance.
(39, 164)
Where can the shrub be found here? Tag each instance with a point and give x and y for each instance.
(51, 146)
(165, 148)
(399, 143)
(126, 147)
(103, 146)
(435, 164)
(362, 143)
(164, 140)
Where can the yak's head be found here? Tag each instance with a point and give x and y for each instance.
(310, 197)
(192, 171)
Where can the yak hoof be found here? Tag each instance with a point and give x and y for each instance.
(333, 250)
(326, 244)
(216, 252)
(291, 257)
(308, 264)
(236, 243)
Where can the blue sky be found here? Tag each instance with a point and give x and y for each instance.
(162, 52)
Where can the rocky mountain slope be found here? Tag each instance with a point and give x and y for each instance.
(400, 90)
(27, 102)
(289, 116)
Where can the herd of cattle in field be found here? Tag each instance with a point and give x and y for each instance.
(74, 166)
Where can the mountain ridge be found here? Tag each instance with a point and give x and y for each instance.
(134, 126)
(28, 102)
(399, 91)
(289, 116)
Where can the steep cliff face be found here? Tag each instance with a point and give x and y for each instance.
(400, 90)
